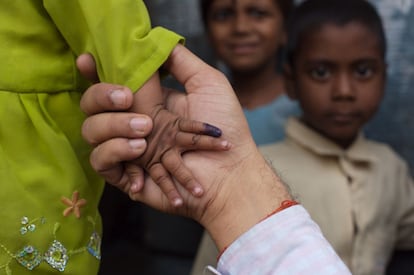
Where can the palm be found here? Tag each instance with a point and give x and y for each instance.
(207, 100)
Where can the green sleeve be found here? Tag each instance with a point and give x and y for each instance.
(117, 33)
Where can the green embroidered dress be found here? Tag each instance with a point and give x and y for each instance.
(49, 194)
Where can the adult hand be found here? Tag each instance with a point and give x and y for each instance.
(106, 129)
(240, 188)
(110, 155)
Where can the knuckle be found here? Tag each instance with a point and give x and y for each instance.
(195, 139)
(94, 160)
(159, 175)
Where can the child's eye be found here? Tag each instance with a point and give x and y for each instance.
(257, 13)
(221, 15)
(364, 71)
(320, 73)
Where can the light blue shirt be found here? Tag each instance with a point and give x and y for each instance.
(267, 123)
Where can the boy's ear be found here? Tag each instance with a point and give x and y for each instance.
(289, 83)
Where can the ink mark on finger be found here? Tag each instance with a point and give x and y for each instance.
(211, 130)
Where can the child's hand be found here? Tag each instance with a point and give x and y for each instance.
(171, 136)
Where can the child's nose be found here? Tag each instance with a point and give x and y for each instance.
(343, 88)
(241, 23)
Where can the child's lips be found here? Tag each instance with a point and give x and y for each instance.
(245, 48)
(344, 118)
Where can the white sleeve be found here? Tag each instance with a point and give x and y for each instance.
(288, 242)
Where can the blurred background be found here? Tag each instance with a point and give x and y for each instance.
(393, 123)
(138, 240)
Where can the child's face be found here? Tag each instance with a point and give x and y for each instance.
(245, 33)
(338, 79)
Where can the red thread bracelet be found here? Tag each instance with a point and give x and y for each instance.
(285, 204)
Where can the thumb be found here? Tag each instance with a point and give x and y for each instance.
(184, 65)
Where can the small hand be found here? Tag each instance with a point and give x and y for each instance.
(172, 136)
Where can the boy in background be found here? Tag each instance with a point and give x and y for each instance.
(337, 72)
(359, 191)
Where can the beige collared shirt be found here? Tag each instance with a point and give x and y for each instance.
(362, 197)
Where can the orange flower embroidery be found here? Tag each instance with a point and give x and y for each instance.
(73, 205)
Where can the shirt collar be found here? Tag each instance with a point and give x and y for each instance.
(313, 141)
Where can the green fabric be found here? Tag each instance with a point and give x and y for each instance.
(43, 156)
(113, 30)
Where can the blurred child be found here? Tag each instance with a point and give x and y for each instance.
(359, 191)
(50, 219)
(248, 38)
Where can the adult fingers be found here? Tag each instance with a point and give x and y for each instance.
(104, 97)
(101, 127)
(108, 156)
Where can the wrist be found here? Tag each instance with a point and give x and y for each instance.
(250, 192)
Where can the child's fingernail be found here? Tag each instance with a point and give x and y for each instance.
(198, 191)
(138, 124)
(118, 98)
(226, 144)
(136, 185)
(136, 143)
(211, 130)
(177, 202)
(134, 188)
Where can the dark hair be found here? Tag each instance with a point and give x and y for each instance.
(311, 15)
(286, 6)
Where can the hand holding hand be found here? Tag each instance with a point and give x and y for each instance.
(240, 188)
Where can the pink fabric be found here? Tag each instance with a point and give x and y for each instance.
(288, 242)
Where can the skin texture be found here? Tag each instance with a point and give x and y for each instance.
(245, 33)
(246, 36)
(240, 187)
(338, 79)
(170, 136)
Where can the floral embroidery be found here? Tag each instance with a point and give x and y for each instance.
(29, 257)
(74, 205)
(94, 245)
(57, 256)
(29, 226)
